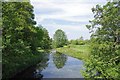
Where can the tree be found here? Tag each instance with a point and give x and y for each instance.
(18, 21)
(0, 16)
(20, 37)
(77, 42)
(46, 41)
(104, 61)
(35, 39)
(59, 39)
(74, 42)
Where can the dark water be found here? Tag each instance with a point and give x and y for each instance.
(54, 65)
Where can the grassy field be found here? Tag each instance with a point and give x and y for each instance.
(76, 51)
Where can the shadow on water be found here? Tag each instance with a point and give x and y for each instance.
(34, 71)
(54, 65)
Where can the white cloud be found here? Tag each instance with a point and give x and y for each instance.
(71, 9)
(66, 10)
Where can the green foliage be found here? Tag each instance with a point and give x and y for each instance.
(17, 26)
(77, 42)
(74, 42)
(0, 16)
(46, 41)
(104, 61)
(20, 37)
(59, 39)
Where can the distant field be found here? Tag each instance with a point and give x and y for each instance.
(76, 51)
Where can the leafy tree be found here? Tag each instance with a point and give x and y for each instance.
(17, 25)
(104, 61)
(46, 41)
(77, 42)
(36, 38)
(0, 16)
(59, 39)
(20, 37)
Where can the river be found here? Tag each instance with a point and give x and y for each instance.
(54, 65)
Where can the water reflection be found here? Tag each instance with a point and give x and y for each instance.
(41, 66)
(62, 66)
(59, 59)
(34, 71)
(54, 65)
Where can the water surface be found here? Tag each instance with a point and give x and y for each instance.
(70, 69)
(54, 65)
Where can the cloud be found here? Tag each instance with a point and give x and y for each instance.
(72, 1)
(63, 22)
(64, 10)
(68, 15)
(48, 10)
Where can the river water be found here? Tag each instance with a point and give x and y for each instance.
(54, 65)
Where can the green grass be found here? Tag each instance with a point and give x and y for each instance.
(76, 51)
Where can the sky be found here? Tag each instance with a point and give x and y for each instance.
(71, 16)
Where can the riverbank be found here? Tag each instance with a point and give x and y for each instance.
(17, 64)
(77, 51)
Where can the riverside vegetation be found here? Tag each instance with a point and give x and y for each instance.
(22, 41)
(81, 52)
(104, 57)
(24, 44)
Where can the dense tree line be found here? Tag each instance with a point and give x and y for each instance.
(79, 41)
(0, 15)
(46, 42)
(104, 61)
(20, 35)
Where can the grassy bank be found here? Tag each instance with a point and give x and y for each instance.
(76, 51)
(15, 64)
